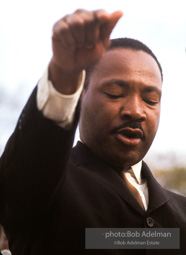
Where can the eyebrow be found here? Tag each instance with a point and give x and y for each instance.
(150, 89)
(121, 83)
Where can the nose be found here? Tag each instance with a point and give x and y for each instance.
(133, 109)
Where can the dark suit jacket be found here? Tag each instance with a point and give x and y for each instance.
(49, 193)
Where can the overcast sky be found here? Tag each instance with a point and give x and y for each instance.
(25, 50)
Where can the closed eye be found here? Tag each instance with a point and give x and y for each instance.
(151, 102)
(112, 96)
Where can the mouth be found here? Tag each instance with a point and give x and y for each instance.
(130, 136)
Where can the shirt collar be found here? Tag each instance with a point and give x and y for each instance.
(137, 171)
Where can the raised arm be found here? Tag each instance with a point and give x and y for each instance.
(32, 168)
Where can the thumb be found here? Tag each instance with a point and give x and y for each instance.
(108, 26)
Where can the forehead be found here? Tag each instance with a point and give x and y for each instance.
(129, 65)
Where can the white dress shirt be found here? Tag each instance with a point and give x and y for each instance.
(56, 106)
(61, 108)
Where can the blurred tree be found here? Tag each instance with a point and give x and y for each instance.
(172, 178)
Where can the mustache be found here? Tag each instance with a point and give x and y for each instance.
(130, 124)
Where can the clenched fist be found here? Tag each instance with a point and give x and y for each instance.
(79, 40)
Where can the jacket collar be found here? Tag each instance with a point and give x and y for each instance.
(84, 157)
(157, 194)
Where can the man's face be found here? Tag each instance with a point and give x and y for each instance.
(121, 108)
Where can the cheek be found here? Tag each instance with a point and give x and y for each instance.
(153, 123)
(106, 114)
(98, 117)
(98, 108)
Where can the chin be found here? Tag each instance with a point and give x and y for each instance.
(124, 160)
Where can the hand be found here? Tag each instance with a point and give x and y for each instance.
(79, 41)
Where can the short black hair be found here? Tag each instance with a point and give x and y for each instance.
(126, 43)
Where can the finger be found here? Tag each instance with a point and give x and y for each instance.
(62, 33)
(101, 16)
(85, 26)
(107, 27)
(76, 25)
(91, 28)
(92, 22)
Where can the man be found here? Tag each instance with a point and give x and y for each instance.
(54, 192)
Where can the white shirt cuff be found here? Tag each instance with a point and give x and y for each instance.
(6, 252)
(56, 106)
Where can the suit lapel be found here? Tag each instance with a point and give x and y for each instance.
(83, 157)
(157, 195)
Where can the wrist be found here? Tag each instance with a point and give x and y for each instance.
(64, 81)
